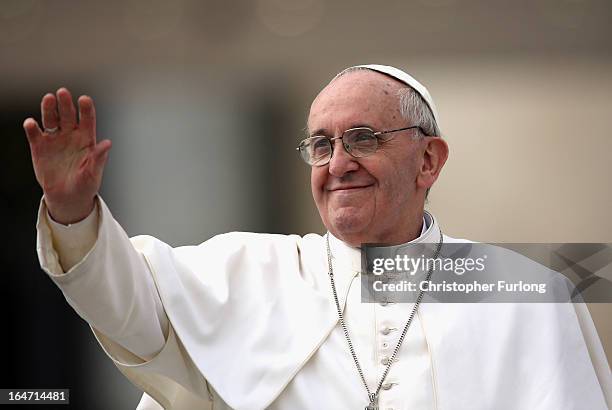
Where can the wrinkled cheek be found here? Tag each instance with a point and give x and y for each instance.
(319, 197)
(315, 188)
(320, 202)
(394, 194)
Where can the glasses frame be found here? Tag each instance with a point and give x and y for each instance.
(331, 140)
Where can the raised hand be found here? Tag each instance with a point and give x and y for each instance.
(68, 162)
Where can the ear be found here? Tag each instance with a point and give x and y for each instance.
(434, 156)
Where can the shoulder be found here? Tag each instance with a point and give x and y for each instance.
(237, 247)
(257, 242)
(235, 241)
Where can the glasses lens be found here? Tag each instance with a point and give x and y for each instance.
(316, 150)
(360, 142)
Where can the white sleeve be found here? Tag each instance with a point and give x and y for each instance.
(108, 282)
(596, 351)
(72, 242)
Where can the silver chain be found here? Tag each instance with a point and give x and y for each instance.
(372, 397)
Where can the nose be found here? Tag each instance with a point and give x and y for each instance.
(341, 161)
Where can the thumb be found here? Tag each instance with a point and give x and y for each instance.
(101, 151)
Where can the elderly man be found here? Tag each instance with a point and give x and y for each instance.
(253, 321)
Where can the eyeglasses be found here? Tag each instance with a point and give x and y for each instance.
(358, 142)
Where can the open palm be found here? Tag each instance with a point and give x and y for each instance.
(68, 162)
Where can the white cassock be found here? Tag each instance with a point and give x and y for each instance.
(247, 321)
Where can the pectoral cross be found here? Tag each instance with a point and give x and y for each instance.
(373, 403)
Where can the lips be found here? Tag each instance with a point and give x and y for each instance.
(348, 188)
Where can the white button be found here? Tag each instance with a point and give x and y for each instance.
(385, 360)
(385, 331)
(387, 386)
(385, 345)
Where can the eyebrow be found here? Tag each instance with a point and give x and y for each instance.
(323, 132)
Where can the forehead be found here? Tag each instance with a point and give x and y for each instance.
(363, 97)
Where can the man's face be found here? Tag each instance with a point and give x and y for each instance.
(375, 198)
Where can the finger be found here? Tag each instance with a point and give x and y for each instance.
(87, 116)
(48, 109)
(32, 130)
(67, 112)
(101, 151)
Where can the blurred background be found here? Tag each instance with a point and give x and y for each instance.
(205, 101)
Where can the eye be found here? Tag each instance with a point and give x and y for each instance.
(319, 146)
(363, 137)
(362, 142)
(320, 143)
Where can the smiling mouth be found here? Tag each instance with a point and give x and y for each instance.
(350, 189)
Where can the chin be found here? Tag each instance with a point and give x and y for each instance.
(348, 223)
